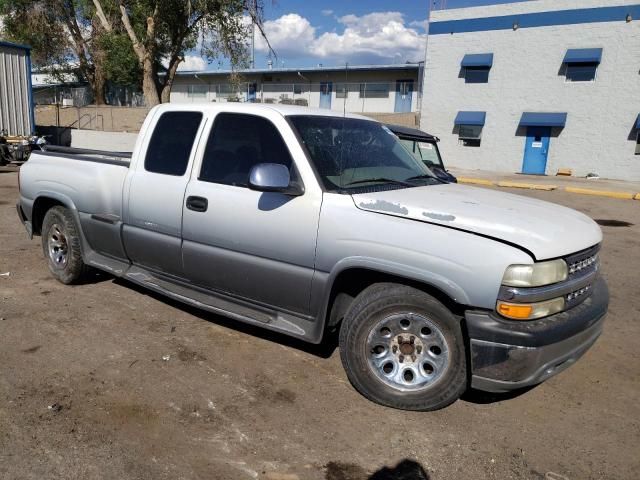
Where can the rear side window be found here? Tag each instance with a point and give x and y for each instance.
(171, 143)
(236, 143)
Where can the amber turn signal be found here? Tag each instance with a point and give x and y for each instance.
(530, 311)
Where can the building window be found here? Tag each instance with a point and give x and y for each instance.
(581, 64)
(298, 88)
(374, 90)
(476, 74)
(197, 91)
(581, 72)
(342, 90)
(638, 143)
(476, 66)
(469, 135)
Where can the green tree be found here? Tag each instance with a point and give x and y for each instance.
(162, 31)
(65, 38)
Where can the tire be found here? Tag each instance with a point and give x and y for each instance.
(61, 246)
(387, 321)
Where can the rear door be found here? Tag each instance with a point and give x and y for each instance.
(153, 226)
(255, 245)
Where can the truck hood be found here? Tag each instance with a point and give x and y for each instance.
(545, 229)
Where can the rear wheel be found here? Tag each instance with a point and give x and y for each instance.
(403, 348)
(61, 246)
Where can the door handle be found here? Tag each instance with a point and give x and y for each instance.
(197, 204)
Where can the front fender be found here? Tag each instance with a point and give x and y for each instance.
(453, 290)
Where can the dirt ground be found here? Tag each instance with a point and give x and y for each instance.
(107, 381)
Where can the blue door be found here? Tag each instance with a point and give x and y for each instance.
(404, 95)
(251, 92)
(536, 150)
(325, 94)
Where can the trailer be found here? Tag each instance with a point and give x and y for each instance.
(17, 122)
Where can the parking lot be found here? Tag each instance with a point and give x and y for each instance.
(106, 380)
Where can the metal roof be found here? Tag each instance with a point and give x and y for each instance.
(349, 68)
(14, 45)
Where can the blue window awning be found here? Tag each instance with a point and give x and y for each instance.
(543, 119)
(478, 60)
(583, 55)
(638, 122)
(470, 118)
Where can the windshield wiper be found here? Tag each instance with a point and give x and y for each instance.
(422, 177)
(380, 180)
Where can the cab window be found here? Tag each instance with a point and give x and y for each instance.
(236, 144)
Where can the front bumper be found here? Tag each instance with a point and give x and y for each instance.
(506, 355)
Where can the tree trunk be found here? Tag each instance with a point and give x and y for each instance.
(99, 85)
(165, 95)
(149, 86)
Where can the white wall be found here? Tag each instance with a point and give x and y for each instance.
(354, 103)
(110, 141)
(525, 77)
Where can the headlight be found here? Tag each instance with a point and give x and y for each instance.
(536, 274)
(530, 311)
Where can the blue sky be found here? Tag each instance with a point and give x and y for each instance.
(332, 32)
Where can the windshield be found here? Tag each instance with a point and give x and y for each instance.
(426, 152)
(351, 154)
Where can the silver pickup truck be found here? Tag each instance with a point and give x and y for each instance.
(302, 221)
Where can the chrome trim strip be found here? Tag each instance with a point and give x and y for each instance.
(547, 292)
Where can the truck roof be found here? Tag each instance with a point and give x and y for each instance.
(411, 133)
(284, 110)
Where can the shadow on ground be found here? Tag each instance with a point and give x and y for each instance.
(323, 350)
(484, 398)
(405, 470)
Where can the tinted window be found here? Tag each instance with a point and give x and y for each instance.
(171, 143)
(581, 72)
(476, 75)
(236, 143)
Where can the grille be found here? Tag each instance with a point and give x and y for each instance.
(580, 265)
(581, 262)
(577, 296)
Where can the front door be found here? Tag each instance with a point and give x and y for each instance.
(251, 92)
(536, 150)
(326, 89)
(258, 246)
(404, 95)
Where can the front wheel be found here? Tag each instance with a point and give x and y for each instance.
(61, 246)
(403, 348)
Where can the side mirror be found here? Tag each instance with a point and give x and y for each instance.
(273, 177)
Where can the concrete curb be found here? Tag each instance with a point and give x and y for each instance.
(529, 186)
(601, 193)
(475, 181)
(538, 186)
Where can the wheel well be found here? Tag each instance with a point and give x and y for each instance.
(349, 283)
(40, 208)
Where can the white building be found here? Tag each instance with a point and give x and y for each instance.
(536, 86)
(355, 88)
